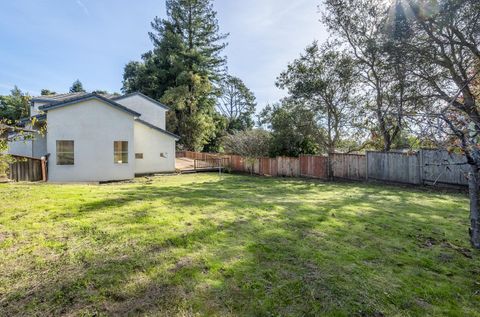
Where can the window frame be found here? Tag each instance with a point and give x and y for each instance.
(63, 161)
(123, 152)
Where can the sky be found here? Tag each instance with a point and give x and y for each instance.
(51, 43)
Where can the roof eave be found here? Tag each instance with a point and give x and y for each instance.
(176, 137)
(143, 96)
(65, 103)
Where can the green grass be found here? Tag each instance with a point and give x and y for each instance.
(198, 245)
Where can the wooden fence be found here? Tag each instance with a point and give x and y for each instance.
(211, 163)
(430, 167)
(444, 168)
(27, 169)
(196, 155)
(394, 167)
(348, 166)
(314, 166)
(304, 166)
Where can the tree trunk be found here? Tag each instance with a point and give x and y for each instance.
(473, 185)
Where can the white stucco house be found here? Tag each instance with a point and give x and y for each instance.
(98, 138)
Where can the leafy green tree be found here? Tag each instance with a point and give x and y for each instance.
(183, 68)
(237, 104)
(77, 86)
(14, 106)
(389, 93)
(214, 144)
(323, 81)
(294, 129)
(47, 92)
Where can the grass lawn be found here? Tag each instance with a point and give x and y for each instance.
(198, 245)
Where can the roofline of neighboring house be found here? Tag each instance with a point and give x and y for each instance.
(144, 96)
(90, 96)
(39, 117)
(176, 137)
(42, 100)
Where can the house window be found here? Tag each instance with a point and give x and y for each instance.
(163, 155)
(65, 152)
(139, 156)
(120, 152)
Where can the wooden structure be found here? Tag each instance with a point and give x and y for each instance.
(429, 167)
(348, 166)
(443, 168)
(211, 164)
(395, 167)
(27, 169)
(314, 166)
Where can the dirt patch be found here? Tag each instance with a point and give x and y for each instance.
(429, 242)
(181, 264)
(464, 251)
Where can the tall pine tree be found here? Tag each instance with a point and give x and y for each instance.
(77, 86)
(182, 69)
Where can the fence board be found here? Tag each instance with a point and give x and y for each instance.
(26, 169)
(288, 166)
(348, 166)
(426, 166)
(441, 167)
(394, 167)
(314, 166)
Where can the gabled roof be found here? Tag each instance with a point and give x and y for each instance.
(176, 137)
(143, 96)
(85, 97)
(63, 97)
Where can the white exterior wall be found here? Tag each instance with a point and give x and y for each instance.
(150, 112)
(93, 126)
(39, 147)
(34, 108)
(33, 148)
(151, 143)
(21, 148)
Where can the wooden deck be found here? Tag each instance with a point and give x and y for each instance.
(184, 164)
(187, 165)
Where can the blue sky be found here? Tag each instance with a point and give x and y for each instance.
(51, 43)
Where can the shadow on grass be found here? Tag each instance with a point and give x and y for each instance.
(262, 247)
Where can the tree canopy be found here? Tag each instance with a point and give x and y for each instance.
(183, 68)
(14, 106)
(237, 104)
(77, 86)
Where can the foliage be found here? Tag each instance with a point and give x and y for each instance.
(237, 104)
(444, 54)
(250, 144)
(214, 144)
(295, 129)
(10, 132)
(192, 109)
(47, 92)
(323, 81)
(77, 86)
(182, 69)
(14, 106)
(234, 246)
(389, 90)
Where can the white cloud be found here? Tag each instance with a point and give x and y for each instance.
(83, 6)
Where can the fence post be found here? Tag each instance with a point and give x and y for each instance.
(366, 166)
(330, 174)
(421, 171)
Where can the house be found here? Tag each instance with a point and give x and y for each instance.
(96, 138)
